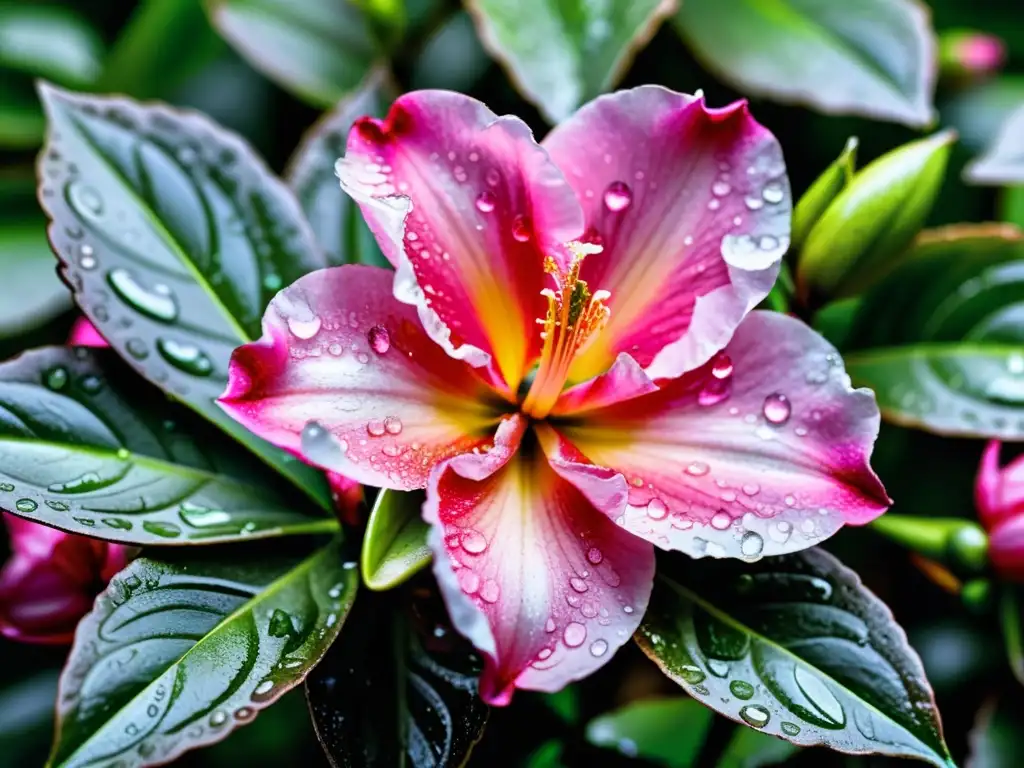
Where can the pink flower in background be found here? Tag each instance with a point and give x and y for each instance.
(51, 580)
(999, 497)
(566, 359)
(84, 334)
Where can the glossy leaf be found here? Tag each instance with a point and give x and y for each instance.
(861, 234)
(874, 58)
(318, 49)
(47, 41)
(179, 652)
(797, 647)
(822, 192)
(416, 706)
(395, 542)
(174, 236)
(26, 263)
(668, 731)
(333, 215)
(86, 449)
(562, 53)
(1003, 161)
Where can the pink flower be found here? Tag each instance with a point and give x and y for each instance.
(566, 360)
(999, 497)
(84, 334)
(51, 579)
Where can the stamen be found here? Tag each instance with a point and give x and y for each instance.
(573, 320)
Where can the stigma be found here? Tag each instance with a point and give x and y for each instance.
(574, 318)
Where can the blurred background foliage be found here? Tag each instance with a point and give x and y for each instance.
(269, 70)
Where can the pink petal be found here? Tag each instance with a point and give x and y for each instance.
(537, 578)
(50, 581)
(692, 207)
(998, 491)
(762, 451)
(1006, 549)
(84, 334)
(347, 495)
(480, 203)
(342, 359)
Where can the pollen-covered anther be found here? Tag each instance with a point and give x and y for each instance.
(574, 318)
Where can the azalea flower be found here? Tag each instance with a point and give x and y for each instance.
(999, 497)
(565, 358)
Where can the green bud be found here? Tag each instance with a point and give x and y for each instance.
(977, 595)
(822, 192)
(862, 233)
(959, 544)
(967, 548)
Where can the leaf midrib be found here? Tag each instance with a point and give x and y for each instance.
(735, 624)
(248, 606)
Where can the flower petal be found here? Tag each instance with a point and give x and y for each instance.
(692, 206)
(1006, 549)
(84, 334)
(464, 204)
(998, 491)
(543, 583)
(762, 451)
(386, 402)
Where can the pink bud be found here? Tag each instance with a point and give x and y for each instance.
(84, 334)
(999, 497)
(968, 53)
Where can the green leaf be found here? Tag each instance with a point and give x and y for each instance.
(861, 234)
(562, 53)
(1003, 161)
(26, 263)
(874, 58)
(668, 731)
(797, 647)
(321, 50)
(1012, 621)
(977, 113)
(86, 448)
(416, 706)
(995, 740)
(1011, 205)
(822, 192)
(178, 652)
(174, 236)
(21, 118)
(957, 389)
(750, 749)
(50, 42)
(547, 755)
(395, 543)
(334, 216)
(163, 43)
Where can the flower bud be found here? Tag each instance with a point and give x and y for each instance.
(999, 497)
(858, 238)
(822, 192)
(967, 54)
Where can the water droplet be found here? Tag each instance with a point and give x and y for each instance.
(57, 506)
(493, 177)
(773, 193)
(137, 348)
(721, 520)
(692, 674)
(157, 303)
(720, 188)
(697, 468)
(780, 532)
(468, 580)
(578, 584)
(751, 545)
(272, 282)
(490, 591)
(714, 391)
(305, 328)
(117, 523)
(574, 634)
(754, 203)
(202, 517)
(721, 366)
(91, 385)
(776, 408)
(244, 713)
(656, 509)
(161, 529)
(741, 689)
(393, 425)
(375, 427)
(714, 204)
(6, 487)
(485, 202)
(595, 556)
(474, 542)
(185, 357)
(379, 339)
(544, 653)
(550, 625)
(521, 228)
(281, 624)
(755, 715)
(264, 688)
(25, 506)
(598, 648)
(790, 729)
(56, 378)
(618, 197)
(218, 718)
(86, 200)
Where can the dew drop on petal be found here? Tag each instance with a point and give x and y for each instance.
(485, 202)
(618, 197)
(721, 520)
(697, 468)
(776, 408)
(474, 542)
(521, 228)
(574, 634)
(595, 556)
(550, 625)
(656, 509)
(379, 339)
(751, 489)
(598, 648)
(721, 366)
(578, 584)
(490, 591)
(468, 580)
(375, 427)
(720, 188)
(751, 544)
(304, 329)
(393, 425)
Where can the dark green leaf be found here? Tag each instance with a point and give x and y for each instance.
(174, 236)
(1003, 161)
(547, 755)
(319, 49)
(163, 43)
(334, 216)
(21, 118)
(395, 542)
(86, 449)
(797, 647)
(177, 653)
(668, 731)
(47, 41)
(562, 53)
(26, 717)
(1011, 616)
(26, 263)
(995, 740)
(873, 57)
(416, 706)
